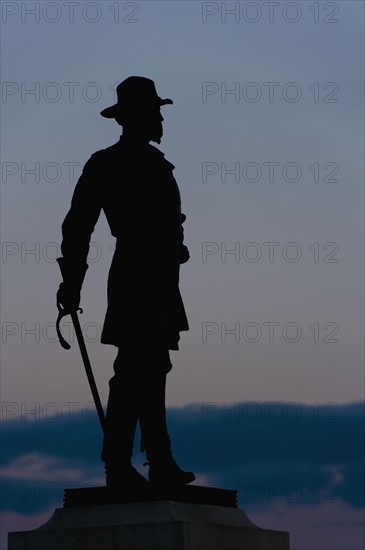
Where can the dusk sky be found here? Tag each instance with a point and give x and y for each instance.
(267, 137)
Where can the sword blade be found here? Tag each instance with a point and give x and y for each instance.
(89, 372)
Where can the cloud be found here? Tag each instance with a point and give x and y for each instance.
(36, 466)
(327, 526)
(289, 453)
(13, 521)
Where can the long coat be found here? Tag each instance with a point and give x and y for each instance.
(139, 195)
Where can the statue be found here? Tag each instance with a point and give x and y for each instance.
(133, 184)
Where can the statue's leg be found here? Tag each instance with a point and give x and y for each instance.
(121, 422)
(151, 387)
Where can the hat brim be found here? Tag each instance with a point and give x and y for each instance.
(115, 110)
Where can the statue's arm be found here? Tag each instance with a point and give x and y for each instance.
(79, 224)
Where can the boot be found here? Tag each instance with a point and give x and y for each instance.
(121, 421)
(155, 439)
(163, 469)
(122, 476)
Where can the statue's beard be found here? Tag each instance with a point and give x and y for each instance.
(157, 134)
(156, 138)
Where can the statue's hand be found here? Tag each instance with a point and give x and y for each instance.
(68, 297)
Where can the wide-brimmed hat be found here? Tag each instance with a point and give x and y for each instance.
(135, 92)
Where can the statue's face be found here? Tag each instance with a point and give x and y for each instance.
(146, 123)
(153, 126)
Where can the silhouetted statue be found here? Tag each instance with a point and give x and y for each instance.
(134, 185)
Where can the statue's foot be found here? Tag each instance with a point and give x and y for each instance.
(168, 473)
(125, 478)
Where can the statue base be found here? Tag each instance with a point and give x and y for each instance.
(172, 523)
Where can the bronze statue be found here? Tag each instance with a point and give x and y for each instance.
(133, 184)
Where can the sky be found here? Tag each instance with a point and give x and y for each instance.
(267, 137)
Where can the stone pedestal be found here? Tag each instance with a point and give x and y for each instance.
(153, 525)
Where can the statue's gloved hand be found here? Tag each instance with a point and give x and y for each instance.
(68, 296)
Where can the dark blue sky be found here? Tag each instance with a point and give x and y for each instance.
(303, 458)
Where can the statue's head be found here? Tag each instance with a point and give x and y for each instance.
(138, 108)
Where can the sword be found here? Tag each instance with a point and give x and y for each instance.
(84, 355)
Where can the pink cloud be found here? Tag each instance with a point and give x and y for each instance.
(40, 467)
(328, 526)
(11, 521)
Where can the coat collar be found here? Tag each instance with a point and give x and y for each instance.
(140, 150)
(130, 145)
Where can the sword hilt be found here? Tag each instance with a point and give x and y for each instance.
(62, 313)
